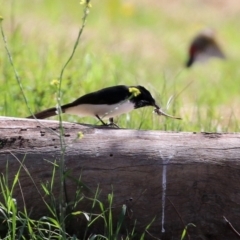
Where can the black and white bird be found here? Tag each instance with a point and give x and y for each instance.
(204, 47)
(107, 103)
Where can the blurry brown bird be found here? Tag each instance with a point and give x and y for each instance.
(203, 47)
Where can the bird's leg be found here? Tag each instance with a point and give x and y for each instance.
(111, 123)
(110, 120)
(101, 120)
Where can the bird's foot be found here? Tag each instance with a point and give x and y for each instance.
(112, 124)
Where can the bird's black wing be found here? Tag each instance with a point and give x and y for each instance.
(110, 95)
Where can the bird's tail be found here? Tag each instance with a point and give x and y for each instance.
(50, 112)
(45, 114)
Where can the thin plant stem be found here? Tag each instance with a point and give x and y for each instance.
(14, 69)
(18, 78)
(231, 227)
(179, 216)
(62, 202)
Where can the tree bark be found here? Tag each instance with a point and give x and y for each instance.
(200, 173)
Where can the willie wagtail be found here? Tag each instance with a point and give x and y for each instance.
(107, 103)
(203, 47)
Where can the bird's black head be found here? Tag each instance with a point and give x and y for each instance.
(143, 98)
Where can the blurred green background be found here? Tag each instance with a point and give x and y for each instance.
(124, 42)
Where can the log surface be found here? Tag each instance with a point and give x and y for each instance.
(202, 172)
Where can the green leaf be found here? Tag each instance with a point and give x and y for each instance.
(45, 189)
(185, 230)
(184, 233)
(76, 213)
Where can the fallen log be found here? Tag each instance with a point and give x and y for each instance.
(176, 178)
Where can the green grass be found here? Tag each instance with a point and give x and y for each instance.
(135, 43)
(17, 224)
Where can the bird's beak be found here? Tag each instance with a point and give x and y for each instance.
(156, 106)
(190, 62)
(160, 112)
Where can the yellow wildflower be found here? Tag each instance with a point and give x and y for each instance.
(54, 82)
(80, 135)
(83, 2)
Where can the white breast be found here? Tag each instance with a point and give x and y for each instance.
(209, 53)
(103, 111)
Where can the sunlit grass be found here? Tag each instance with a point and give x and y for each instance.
(130, 44)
